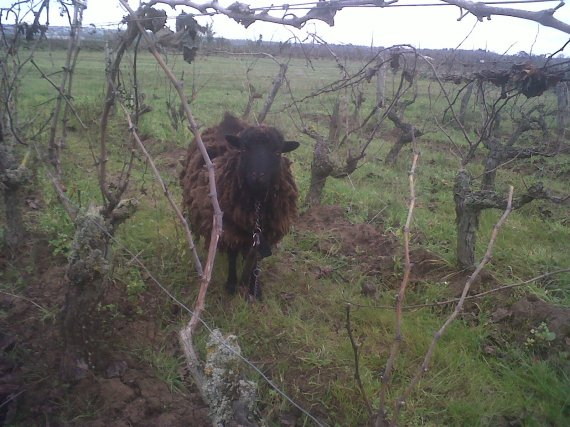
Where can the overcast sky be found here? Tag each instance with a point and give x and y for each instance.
(422, 27)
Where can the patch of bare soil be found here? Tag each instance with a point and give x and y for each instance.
(530, 311)
(362, 244)
(372, 251)
(121, 390)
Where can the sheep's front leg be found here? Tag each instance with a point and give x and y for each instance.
(231, 284)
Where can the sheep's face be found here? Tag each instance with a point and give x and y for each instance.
(260, 157)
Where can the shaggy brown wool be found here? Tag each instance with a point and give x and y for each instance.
(279, 208)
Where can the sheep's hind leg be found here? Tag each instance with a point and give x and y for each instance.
(231, 284)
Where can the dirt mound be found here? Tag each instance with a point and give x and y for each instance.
(362, 244)
(135, 399)
(373, 251)
(529, 312)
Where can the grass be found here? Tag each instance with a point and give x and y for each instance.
(166, 366)
(300, 341)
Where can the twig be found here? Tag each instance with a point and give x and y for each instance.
(481, 11)
(425, 365)
(395, 348)
(186, 333)
(45, 310)
(165, 191)
(71, 210)
(63, 95)
(111, 200)
(356, 352)
(54, 147)
(217, 219)
(277, 82)
(11, 397)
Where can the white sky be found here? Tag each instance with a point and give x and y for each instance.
(425, 27)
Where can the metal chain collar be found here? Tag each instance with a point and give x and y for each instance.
(257, 227)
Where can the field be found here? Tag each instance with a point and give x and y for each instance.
(503, 362)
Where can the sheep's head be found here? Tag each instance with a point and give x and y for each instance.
(260, 157)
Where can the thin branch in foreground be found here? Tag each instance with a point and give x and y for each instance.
(326, 11)
(217, 218)
(60, 189)
(64, 96)
(424, 367)
(186, 333)
(481, 10)
(165, 191)
(43, 309)
(395, 348)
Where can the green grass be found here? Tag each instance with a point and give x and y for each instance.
(301, 342)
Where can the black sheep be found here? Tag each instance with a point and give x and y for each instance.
(256, 191)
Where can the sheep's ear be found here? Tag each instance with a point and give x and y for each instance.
(234, 141)
(290, 146)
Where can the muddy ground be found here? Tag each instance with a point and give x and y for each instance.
(124, 391)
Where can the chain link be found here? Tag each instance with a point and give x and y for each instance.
(256, 290)
(257, 226)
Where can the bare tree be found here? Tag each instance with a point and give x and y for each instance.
(255, 94)
(408, 132)
(350, 130)
(499, 93)
(15, 129)
(64, 89)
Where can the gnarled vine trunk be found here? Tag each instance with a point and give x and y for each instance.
(86, 274)
(465, 103)
(467, 220)
(13, 177)
(562, 97)
(321, 169)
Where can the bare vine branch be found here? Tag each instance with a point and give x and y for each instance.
(54, 147)
(217, 229)
(437, 336)
(165, 191)
(482, 11)
(186, 333)
(325, 11)
(65, 97)
(395, 348)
